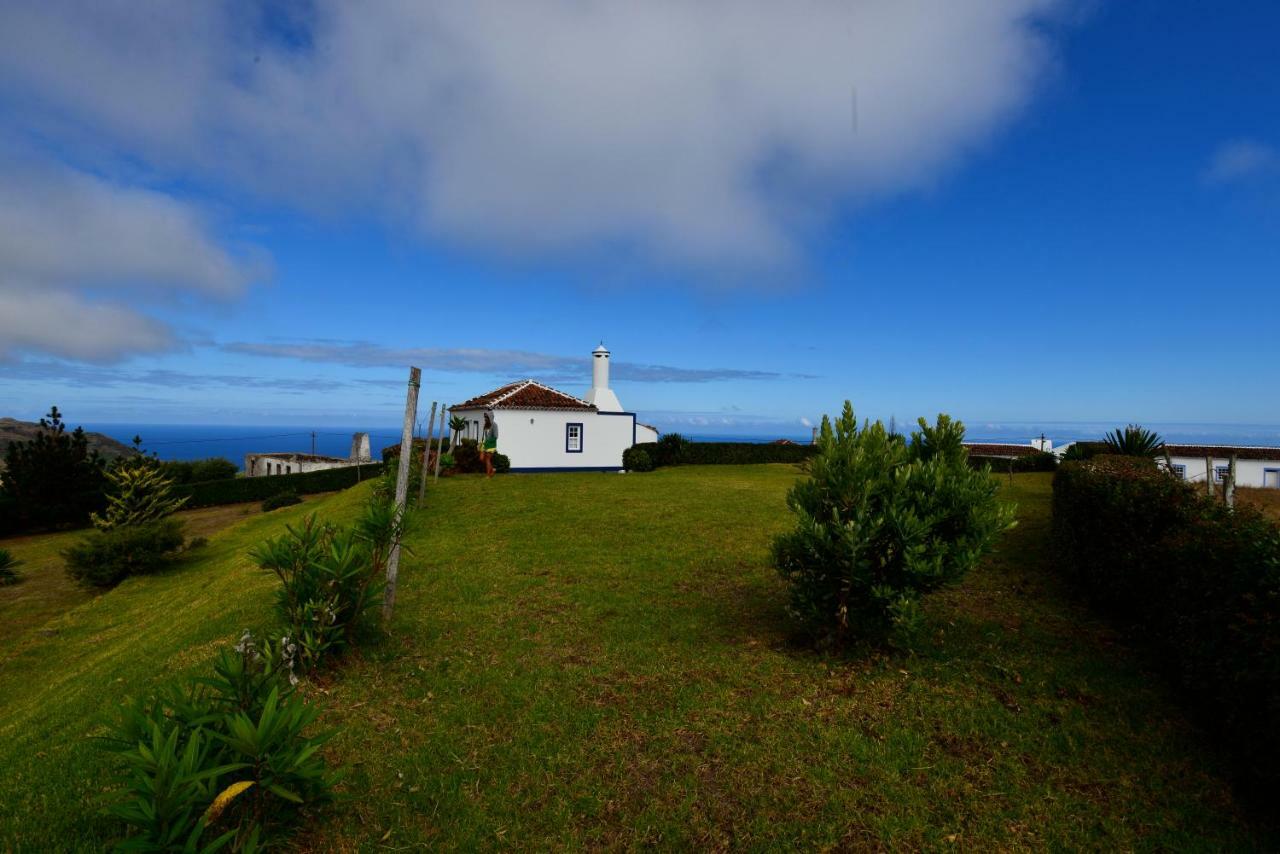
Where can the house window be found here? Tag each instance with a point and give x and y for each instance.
(277, 468)
(1220, 473)
(573, 438)
(288, 469)
(1180, 472)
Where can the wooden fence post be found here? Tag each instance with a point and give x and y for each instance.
(1229, 487)
(1208, 476)
(440, 444)
(426, 453)
(402, 488)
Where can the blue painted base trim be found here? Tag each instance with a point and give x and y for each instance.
(564, 468)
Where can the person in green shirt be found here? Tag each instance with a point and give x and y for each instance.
(489, 444)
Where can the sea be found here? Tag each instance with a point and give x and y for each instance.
(197, 441)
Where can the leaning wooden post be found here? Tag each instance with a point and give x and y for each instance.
(440, 443)
(1208, 476)
(426, 452)
(1229, 488)
(402, 488)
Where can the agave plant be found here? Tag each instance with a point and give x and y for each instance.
(1134, 441)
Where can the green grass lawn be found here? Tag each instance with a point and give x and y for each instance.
(604, 661)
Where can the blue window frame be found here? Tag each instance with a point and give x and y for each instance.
(573, 437)
(1220, 473)
(1180, 472)
(1271, 478)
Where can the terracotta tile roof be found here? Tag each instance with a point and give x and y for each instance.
(525, 394)
(997, 449)
(1243, 452)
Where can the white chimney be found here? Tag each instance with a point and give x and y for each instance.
(603, 398)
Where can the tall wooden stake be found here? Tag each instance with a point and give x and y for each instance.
(440, 444)
(1229, 487)
(402, 488)
(1208, 476)
(426, 452)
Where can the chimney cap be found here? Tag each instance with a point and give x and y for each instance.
(601, 349)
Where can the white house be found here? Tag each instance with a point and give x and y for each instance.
(544, 429)
(287, 462)
(1255, 466)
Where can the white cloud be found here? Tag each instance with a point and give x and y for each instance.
(709, 134)
(70, 242)
(57, 225)
(513, 364)
(1240, 160)
(36, 320)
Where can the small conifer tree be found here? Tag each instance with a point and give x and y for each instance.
(138, 492)
(881, 521)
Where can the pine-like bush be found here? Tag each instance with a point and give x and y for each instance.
(105, 558)
(138, 492)
(882, 521)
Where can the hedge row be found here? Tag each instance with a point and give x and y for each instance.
(213, 492)
(725, 453)
(1030, 462)
(1198, 582)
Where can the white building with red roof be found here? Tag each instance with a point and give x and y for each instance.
(540, 428)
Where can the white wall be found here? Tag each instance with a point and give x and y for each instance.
(1248, 472)
(645, 434)
(259, 465)
(536, 439)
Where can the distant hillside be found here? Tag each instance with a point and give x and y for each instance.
(13, 430)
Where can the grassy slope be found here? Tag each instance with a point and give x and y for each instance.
(588, 660)
(47, 592)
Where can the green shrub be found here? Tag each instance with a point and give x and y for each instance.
(447, 461)
(501, 463)
(137, 493)
(211, 761)
(284, 499)
(330, 580)
(9, 568)
(466, 457)
(391, 453)
(105, 558)
(1197, 583)
(1077, 451)
(243, 489)
(882, 522)
(198, 471)
(636, 458)
(670, 450)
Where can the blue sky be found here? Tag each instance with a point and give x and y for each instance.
(1016, 211)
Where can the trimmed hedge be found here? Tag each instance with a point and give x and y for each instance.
(1030, 462)
(726, 453)
(213, 492)
(1196, 582)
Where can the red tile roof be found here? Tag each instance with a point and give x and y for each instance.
(1243, 452)
(525, 394)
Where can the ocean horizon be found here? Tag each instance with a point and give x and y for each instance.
(198, 441)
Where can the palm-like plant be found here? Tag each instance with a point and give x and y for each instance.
(1134, 441)
(457, 424)
(8, 568)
